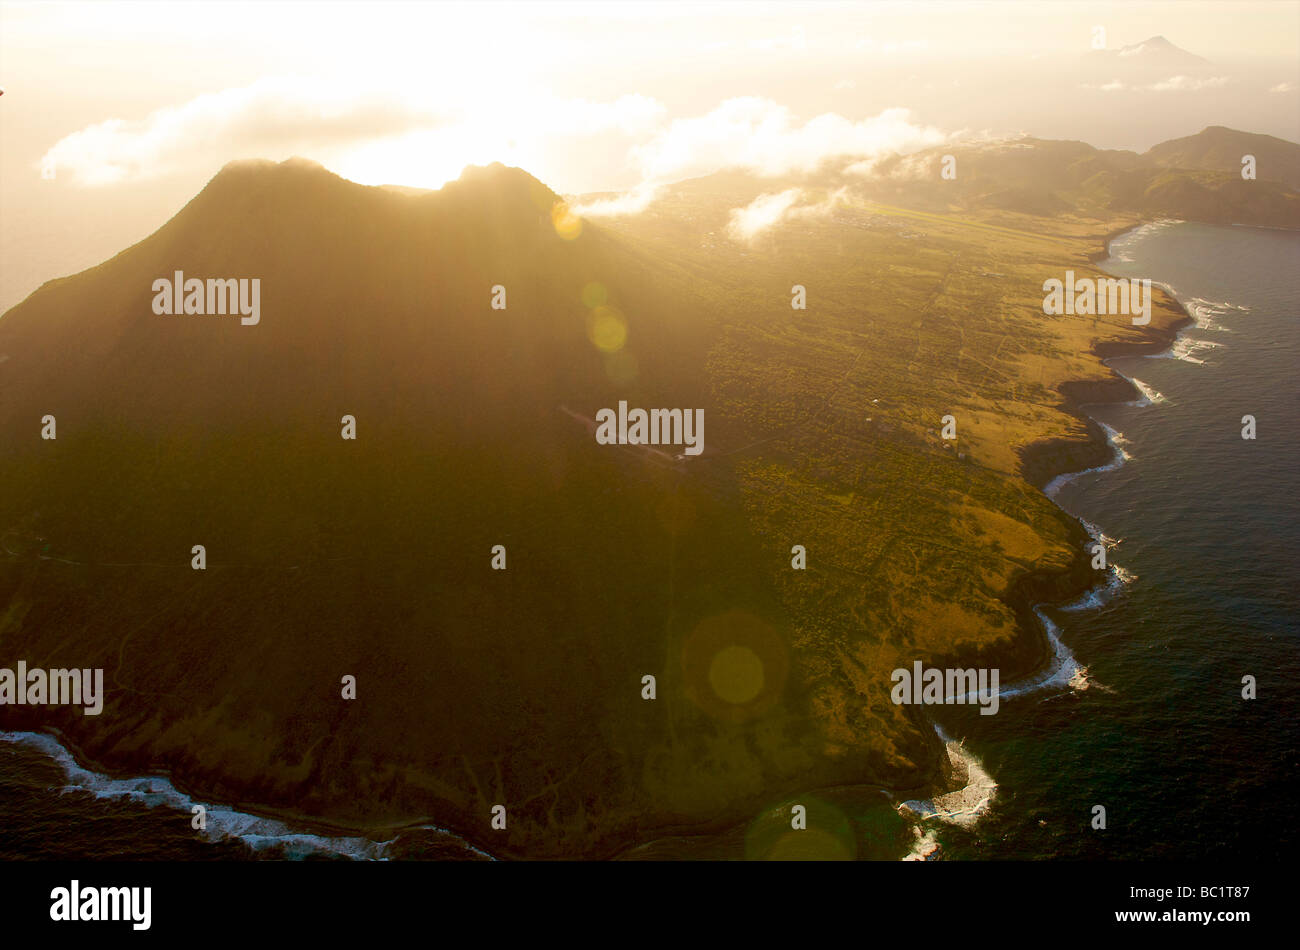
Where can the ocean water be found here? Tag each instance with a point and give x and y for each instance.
(1141, 713)
(1202, 527)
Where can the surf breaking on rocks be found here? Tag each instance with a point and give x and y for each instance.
(221, 822)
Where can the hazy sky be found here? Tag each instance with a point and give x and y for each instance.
(132, 107)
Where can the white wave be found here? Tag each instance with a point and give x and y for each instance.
(924, 848)
(1150, 396)
(964, 805)
(1092, 529)
(1222, 305)
(1163, 224)
(1097, 534)
(1119, 455)
(1061, 668)
(451, 834)
(1083, 680)
(1063, 671)
(1118, 580)
(1207, 314)
(1053, 488)
(1117, 441)
(1189, 350)
(1095, 598)
(1125, 577)
(1118, 248)
(222, 822)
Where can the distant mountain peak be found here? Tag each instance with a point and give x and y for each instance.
(1155, 41)
(1153, 44)
(1153, 52)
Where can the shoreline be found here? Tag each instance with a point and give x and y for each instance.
(168, 793)
(1049, 463)
(1046, 465)
(255, 826)
(1045, 462)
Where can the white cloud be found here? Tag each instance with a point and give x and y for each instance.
(1188, 84)
(1172, 84)
(378, 137)
(1113, 86)
(1284, 87)
(768, 210)
(631, 202)
(760, 214)
(365, 130)
(908, 168)
(271, 115)
(763, 137)
(837, 199)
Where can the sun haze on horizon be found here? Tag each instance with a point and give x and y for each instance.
(120, 112)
